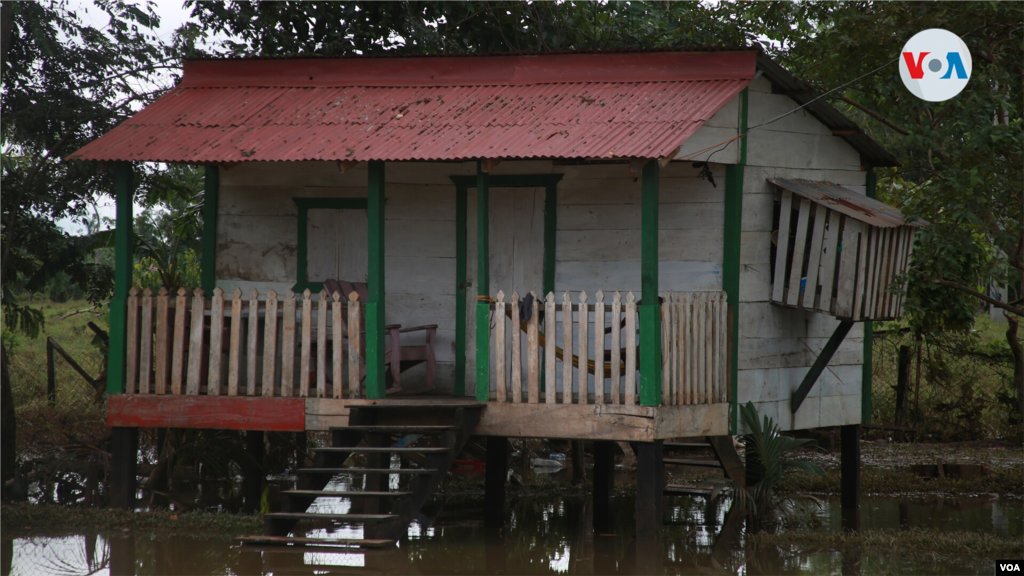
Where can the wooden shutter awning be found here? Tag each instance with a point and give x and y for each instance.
(838, 252)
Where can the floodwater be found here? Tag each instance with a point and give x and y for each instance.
(542, 535)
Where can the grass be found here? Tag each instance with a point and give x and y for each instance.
(78, 416)
(900, 481)
(41, 519)
(918, 542)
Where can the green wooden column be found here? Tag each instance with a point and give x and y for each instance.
(550, 236)
(650, 310)
(124, 195)
(869, 336)
(731, 258)
(483, 276)
(209, 262)
(375, 385)
(461, 253)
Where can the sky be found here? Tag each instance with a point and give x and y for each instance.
(172, 15)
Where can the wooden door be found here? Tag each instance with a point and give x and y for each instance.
(336, 245)
(517, 240)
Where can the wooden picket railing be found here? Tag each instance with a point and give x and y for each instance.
(694, 349)
(186, 344)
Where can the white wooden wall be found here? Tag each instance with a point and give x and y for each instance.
(777, 345)
(598, 244)
(598, 239)
(257, 236)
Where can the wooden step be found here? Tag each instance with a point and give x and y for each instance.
(398, 430)
(690, 445)
(698, 463)
(675, 489)
(333, 542)
(343, 494)
(365, 471)
(329, 516)
(384, 450)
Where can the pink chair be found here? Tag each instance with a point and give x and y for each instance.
(397, 357)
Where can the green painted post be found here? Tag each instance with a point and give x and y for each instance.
(550, 240)
(550, 236)
(375, 384)
(483, 275)
(209, 262)
(124, 193)
(461, 253)
(650, 310)
(731, 259)
(869, 337)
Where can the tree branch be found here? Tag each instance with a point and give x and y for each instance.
(966, 290)
(874, 115)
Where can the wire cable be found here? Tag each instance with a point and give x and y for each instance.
(725, 144)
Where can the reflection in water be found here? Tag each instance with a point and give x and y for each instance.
(550, 535)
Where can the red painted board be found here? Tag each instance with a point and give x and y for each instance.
(212, 412)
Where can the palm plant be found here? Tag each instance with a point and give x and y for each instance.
(766, 451)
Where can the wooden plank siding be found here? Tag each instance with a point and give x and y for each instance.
(778, 344)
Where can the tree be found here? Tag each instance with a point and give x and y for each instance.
(961, 159)
(344, 28)
(64, 83)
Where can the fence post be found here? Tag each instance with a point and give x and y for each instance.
(51, 374)
(902, 385)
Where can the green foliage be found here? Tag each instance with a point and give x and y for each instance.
(182, 271)
(335, 28)
(960, 159)
(64, 84)
(767, 451)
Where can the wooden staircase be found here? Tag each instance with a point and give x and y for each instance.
(725, 457)
(377, 433)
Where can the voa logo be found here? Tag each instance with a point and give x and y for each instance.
(935, 65)
(1008, 566)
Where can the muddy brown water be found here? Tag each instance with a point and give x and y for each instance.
(543, 534)
(549, 535)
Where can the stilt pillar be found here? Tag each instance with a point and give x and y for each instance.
(850, 476)
(124, 462)
(650, 486)
(604, 485)
(252, 475)
(494, 481)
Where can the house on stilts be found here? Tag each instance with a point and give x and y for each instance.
(596, 246)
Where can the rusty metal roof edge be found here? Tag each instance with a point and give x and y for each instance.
(842, 199)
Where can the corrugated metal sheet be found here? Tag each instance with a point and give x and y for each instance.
(637, 105)
(848, 202)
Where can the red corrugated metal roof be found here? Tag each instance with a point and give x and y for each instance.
(633, 105)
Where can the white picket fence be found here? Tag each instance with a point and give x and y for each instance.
(190, 345)
(600, 342)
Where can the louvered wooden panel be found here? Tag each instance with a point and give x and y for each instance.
(835, 264)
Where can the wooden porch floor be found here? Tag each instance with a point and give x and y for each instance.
(571, 421)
